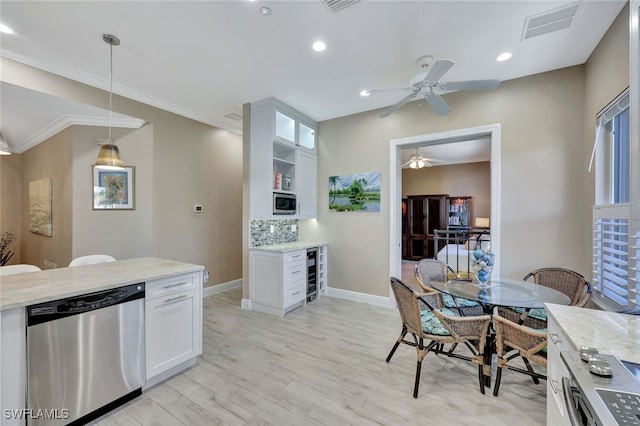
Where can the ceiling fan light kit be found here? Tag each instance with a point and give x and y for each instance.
(426, 84)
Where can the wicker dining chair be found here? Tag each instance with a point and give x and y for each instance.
(434, 269)
(424, 317)
(566, 281)
(513, 341)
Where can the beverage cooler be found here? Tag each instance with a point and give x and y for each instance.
(312, 273)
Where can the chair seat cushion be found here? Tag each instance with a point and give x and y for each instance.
(432, 325)
(536, 313)
(448, 301)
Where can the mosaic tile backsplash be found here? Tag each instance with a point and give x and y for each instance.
(261, 235)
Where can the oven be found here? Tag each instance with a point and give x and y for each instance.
(594, 400)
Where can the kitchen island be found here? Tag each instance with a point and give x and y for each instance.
(571, 328)
(172, 316)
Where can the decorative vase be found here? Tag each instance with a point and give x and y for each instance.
(483, 265)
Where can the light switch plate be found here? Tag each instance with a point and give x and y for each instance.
(272, 229)
(294, 228)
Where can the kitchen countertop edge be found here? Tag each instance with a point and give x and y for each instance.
(287, 247)
(609, 332)
(20, 290)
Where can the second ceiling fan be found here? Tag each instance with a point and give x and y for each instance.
(427, 85)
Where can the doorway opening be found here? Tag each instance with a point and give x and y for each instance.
(395, 196)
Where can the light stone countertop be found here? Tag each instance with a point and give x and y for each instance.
(21, 290)
(287, 247)
(609, 332)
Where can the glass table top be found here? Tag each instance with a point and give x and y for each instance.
(503, 292)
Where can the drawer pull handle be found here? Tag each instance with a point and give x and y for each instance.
(297, 292)
(554, 338)
(173, 299)
(295, 256)
(175, 285)
(296, 272)
(553, 385)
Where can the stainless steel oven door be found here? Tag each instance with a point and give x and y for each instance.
(577, 409)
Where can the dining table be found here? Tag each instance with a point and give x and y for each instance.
(500, 292)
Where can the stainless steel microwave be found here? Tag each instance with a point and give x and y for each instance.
(284, 203)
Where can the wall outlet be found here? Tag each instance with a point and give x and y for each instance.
(206, 276)
(294, 228)
(272, 228)
(197, 208)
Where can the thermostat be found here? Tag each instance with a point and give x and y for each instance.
(197, 208)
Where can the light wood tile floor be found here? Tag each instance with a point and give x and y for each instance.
(323, 364)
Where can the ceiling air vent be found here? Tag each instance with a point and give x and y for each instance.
(338, 5)
(550, 21)
(235, 116)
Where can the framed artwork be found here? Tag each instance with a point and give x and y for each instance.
(113, 189)
(40, 207)
(355, 193)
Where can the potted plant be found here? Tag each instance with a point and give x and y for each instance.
(6, 251)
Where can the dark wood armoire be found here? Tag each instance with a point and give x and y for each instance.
(421, 215)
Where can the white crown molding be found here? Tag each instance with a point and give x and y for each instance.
(91, 80)
(65, 121)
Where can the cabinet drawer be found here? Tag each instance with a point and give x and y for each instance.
(294, 295)
(162, 287)
(295, 256)
(294, 272)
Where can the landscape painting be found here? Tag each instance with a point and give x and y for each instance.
(40, 207)
(355, 193)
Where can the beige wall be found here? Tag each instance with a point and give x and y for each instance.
(542, 133)
(190, 163)
(457, 180)
(10, 203)
(101, 231)
(547, 128)
(50, 159)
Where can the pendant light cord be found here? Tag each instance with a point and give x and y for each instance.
(110, 87)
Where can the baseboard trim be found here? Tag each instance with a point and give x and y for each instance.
(354, 296)
(245, 304)
(219, 288)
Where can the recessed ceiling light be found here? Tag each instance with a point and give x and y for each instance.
(503, 57)
(365, 92)
(5, 29)
(265, 10)
(319, 46)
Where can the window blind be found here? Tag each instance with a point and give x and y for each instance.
(611, 255)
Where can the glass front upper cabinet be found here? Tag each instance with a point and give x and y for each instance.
(307, 137)
(285, 127)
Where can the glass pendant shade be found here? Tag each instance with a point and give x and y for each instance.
(109, 157)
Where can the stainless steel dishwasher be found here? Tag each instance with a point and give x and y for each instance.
(85, 355)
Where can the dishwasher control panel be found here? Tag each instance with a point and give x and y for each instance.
(48, 311)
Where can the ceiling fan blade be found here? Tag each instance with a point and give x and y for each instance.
(438, 69)
(387, 89)
(438, 104)
(471, 85)
(433, 160)
(399, 105)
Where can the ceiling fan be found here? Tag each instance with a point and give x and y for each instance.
(418, 161)
(426, 84)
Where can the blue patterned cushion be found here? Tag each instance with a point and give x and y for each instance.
(536, 313)
(432, 325)
(448, 301)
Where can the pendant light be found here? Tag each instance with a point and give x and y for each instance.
(4, 146)
(109, 156)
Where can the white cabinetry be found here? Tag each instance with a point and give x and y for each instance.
(13, 357)
(282, 145)
(278, 281)
(173, 317)
(556, 370)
